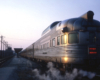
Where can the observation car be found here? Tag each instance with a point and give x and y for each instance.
(72, 41)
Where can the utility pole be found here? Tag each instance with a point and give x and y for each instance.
(4, 48)
(1, 45)
(5, 44)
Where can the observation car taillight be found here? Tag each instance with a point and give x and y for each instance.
(92, 48)
(92, 51)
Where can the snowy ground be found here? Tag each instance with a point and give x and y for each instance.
(11, 69)
(24, 69)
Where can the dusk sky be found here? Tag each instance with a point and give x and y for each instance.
(22, 21)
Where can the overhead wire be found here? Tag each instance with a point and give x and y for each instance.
(19, 39)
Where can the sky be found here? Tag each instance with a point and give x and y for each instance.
(23, 21)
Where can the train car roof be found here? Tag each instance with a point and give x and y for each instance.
(80, 23)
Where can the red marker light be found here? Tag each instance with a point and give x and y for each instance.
(92, 48)
(93, 52)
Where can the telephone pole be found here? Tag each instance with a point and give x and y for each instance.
(1, 44)
(4, 47)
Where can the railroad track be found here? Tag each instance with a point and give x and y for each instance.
(2, 60)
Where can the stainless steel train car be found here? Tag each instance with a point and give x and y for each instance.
(72, 41)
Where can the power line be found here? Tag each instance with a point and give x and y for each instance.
(20, 39)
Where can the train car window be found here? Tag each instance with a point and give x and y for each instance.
(73, 38)
(47, 29)
(44, 45)
(47, 44)
(50, 43)
(60, 24)
(58, 40)
(38, 47)
(53, 42)
(63, 39)
(41, 46)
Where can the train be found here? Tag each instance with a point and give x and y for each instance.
(71, 41)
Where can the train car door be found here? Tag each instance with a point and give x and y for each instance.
(92, 38)
(83, 37)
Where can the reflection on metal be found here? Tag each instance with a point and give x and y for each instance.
(64, 59)
(65, 38)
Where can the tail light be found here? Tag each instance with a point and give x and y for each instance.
(92, 48)
(92, 51)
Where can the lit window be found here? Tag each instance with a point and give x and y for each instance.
(73, 38)
(58, 40)
(63, 39)
(53, 42)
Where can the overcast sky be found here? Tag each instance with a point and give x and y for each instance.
(22, 21)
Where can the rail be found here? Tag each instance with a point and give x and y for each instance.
(2, 60)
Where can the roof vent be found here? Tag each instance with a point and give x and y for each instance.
(89, 15)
